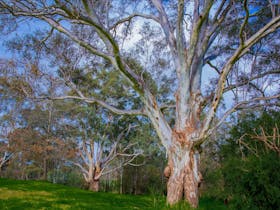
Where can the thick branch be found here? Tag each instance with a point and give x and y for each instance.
(196, 33)
(242, 28)
(84, 171)
(181, 45)
(112, 46)
(218, 11)
(158, 120)
(166, 26)
(82, 43)
(100, 102)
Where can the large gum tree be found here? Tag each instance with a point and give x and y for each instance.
(195, 36)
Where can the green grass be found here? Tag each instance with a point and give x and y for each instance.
(16, 194)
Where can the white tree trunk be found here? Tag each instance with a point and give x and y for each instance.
(183, 177)
(182, 169)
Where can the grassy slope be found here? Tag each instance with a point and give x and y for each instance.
(16, 195)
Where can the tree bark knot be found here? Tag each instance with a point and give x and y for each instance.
(167, 171)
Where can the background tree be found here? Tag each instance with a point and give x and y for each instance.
(36, 143)
(192, 34)
(242, 155)
(99, 144)
(5, 156)
(68, 125)
(12, 100)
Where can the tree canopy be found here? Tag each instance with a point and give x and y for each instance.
(214, 50)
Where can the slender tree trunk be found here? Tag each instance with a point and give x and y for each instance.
(109, 184)
(121, 181)
(136, 181)
(45, 169)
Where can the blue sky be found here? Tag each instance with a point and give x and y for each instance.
(24, 27)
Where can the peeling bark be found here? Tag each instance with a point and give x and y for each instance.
(191, 182)
(183, 172)
(94, 185)
(184, 179)
(175, 187)
(93, 182)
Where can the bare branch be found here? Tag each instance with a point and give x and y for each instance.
(112, 47)
(247, 81)
(48, 36)
(92, 20)
(130, 17)
(221, 15)
(84, 171)
(127, 162)
(240, 84)
(240, 51)
(217, 70)
(113, 152)
(241, 142)
(272, 142)
(100, 102)
(238, 106)
(16, 10)
(80, 153)
(84, 44)
(218, 11)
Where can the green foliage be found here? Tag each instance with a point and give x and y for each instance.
(213, 184)
(67, 176)
(145, 179)
(42, 195)
(145, 75)
(253, 182)
(248, 167)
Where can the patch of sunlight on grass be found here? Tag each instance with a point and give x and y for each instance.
(6, 193)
